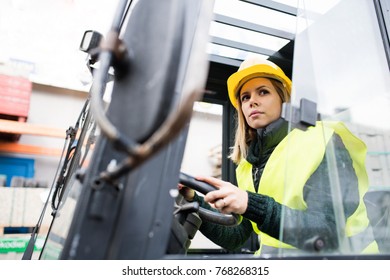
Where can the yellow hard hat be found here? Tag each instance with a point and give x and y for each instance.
(253, 67)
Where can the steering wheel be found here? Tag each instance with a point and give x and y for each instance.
(208, 215)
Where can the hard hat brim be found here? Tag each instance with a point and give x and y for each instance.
(236, 80)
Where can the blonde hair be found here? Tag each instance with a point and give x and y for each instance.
(244, 133)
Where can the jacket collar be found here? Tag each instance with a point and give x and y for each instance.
(267, 139)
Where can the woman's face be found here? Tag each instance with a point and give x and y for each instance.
(260, 102)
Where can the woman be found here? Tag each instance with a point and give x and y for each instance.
(299, 191)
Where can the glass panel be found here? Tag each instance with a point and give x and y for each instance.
(203, 155)
(245, 36)
(228, 52)
(256, 14)
(59, 232)
(337, 173)
(253, 14)
(66, 197)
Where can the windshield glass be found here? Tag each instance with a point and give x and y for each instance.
(341, 166)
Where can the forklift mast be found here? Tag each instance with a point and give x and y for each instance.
(155, 50)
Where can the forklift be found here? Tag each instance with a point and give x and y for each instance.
(115, 195)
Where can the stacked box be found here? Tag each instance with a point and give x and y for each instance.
(15, 94)
(22, 207)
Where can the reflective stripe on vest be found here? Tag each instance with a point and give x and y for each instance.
(293, 161)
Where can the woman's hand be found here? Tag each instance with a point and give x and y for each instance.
(228, 198)
(186, 192)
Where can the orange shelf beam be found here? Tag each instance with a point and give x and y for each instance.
(15, 127)
(9, 147)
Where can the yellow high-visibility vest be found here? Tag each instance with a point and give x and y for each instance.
(291, 164)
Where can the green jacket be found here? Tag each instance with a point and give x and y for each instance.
(318, 219)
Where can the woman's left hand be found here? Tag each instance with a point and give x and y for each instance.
(227, 198)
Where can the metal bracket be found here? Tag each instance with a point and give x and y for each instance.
(304, 116)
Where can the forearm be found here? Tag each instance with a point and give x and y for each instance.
(265, 212)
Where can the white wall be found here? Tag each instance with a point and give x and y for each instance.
(205, 133)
